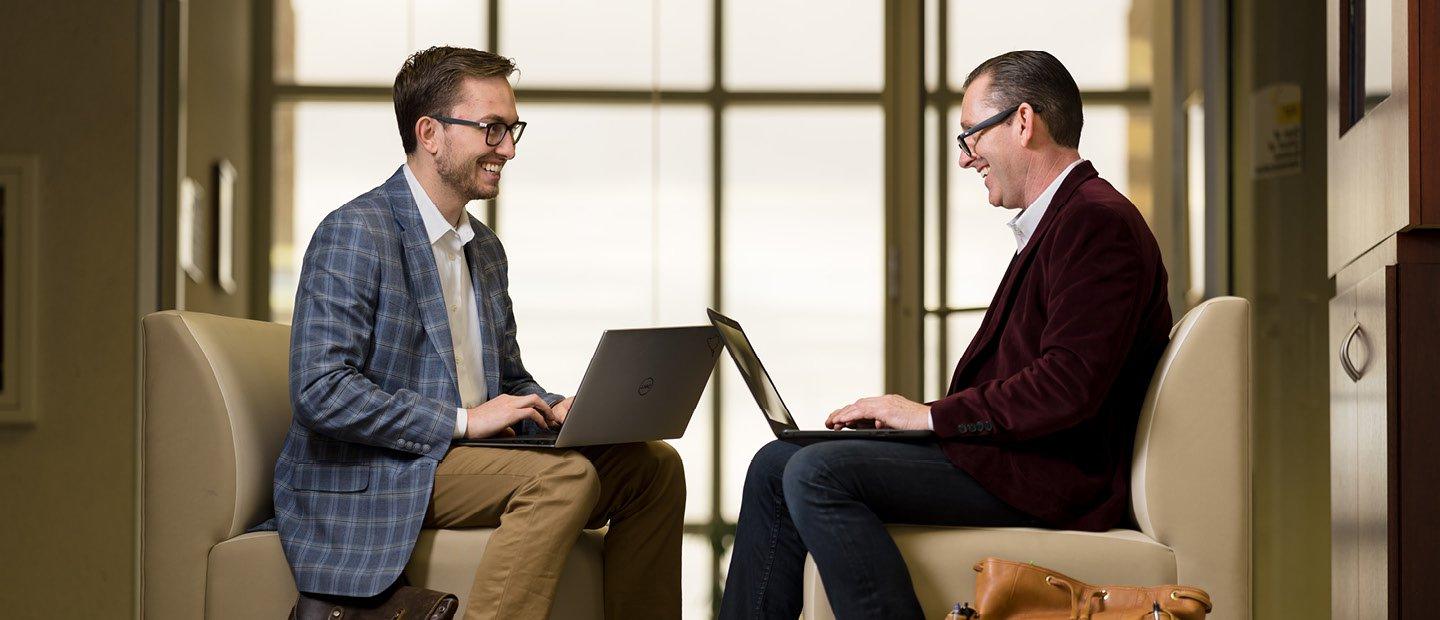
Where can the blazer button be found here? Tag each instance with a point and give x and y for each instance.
(425, 447)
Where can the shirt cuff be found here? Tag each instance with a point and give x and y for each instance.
(930, 420)
(462, 422)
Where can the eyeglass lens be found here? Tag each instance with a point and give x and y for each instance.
(495, 133)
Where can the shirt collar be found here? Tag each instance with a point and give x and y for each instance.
(1025, 223)
(435, 224)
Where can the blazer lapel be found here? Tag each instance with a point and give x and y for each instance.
(421, 274)
(1009, 285)
(987, 331)
(489, 342)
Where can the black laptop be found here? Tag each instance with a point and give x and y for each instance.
(763, 389)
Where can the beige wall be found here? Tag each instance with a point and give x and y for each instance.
(1279, 263)
(73, 98)
(67, 507)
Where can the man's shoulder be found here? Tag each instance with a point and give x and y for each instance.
(368, 213)
(365, 226)
(1096, 201)
(1098, 213)
(371, 208)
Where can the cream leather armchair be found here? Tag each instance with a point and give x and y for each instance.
(1190, 487)
(216, 409)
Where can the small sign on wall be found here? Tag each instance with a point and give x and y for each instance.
(1277, 142)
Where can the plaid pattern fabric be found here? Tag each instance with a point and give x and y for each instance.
(373, 389)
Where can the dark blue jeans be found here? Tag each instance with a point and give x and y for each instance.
(832, 499)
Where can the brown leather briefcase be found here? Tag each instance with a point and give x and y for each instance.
(1006, 589)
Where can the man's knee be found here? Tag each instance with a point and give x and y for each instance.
(668, 466)
(809, 473)
(656, 464)
(571, 475)
(654, 461)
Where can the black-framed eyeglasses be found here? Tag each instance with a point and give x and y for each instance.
(982, 126)
(494, 132)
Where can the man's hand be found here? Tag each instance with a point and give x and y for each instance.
(562, 409)
(494, 417)
(888, 411)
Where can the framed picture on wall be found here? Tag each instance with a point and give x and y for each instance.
(19, 181)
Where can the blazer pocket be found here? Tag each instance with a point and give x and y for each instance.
(331, 478)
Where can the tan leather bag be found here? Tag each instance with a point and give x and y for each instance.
(1006, 589)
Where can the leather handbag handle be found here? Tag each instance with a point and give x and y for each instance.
(1350, 370)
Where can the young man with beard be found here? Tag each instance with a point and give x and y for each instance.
(1038, 425)
(403, 340)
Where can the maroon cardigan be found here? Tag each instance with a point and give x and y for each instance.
(1043, 406)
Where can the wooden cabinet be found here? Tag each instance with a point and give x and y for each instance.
(1384, 253)
(1385, 431)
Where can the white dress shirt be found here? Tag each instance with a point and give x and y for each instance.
(448, 244)
(1025, 223)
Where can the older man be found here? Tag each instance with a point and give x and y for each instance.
(1039, 421)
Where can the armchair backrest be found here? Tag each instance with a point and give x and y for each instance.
(215, 413)
(1191, 479)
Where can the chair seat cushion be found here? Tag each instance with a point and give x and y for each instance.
(248, 576)
(940, 560)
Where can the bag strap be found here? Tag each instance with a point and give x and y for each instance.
(1194, 595)
(1075, 595)
(1090, 600)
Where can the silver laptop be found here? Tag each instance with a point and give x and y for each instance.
(641, 385)
(766, 396)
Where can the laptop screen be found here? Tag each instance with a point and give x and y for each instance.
(755, 376)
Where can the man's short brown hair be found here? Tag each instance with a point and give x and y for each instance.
(428, 84)
(1039, 79)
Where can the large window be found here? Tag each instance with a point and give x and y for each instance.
(685, 154)
(671, 164)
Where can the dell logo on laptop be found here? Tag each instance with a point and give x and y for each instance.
(646, 385)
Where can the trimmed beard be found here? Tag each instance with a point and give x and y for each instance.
(462, 181)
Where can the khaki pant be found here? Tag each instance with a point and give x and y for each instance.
(540, 499)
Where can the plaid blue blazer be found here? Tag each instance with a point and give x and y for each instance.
(373, 388)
